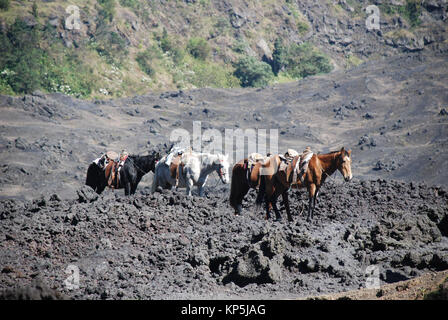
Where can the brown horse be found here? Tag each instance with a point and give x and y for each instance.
(320, 167)
(242, 182)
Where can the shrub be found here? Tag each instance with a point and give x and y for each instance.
(21, 55)
(145, 61)
(107, 11)
(411, 11)
(4, 4)
(252, 73)
(111, 46)
(278, 56)
(134, 4)
(206, 74)
(198, 48)
(35, 10)
(240, 46)
(299, 61)
(25, 67)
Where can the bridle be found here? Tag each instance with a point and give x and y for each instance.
(138, 168)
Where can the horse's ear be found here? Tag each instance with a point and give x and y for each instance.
(342, 150)
(349, 152)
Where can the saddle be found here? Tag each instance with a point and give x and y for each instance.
(175, 166)
(249, 165)
(112, 170)
(301, 165)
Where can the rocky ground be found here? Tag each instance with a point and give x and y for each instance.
(168, 246)
(392, 113)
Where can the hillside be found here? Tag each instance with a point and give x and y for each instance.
(128, 47)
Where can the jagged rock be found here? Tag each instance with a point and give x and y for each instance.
(86, 194)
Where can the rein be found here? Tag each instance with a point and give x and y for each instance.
(323, 171)
(136, 166)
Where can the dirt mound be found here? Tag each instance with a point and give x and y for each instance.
(166, 245)
(36, 291)
(431, 286)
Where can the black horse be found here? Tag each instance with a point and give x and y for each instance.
(133, 170)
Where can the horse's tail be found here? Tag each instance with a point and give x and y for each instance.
(234, 191)
(92, 176)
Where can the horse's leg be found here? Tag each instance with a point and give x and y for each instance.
(315, 196)
(189, 185)
(201, 190)
(100, 189)
(278, 216)
(133, 188)
(261, 193)
(154, 181)
(239, 199)
(127, 188)
(286, 202)
(269, 192)
(268, 206)
(311, 193)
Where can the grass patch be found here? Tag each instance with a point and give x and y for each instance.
(352, 61)
(301, 22)
(399, 34)
(411, 11)
(198, 48)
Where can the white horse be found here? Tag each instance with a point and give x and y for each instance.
(193, 171)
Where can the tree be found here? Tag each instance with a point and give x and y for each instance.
(35, 10)
(4, 4)
(253, 73)
(198, 48)
(278, 56)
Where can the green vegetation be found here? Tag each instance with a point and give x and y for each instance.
(198, 48)
(25, 66)
(112, 56)
(301, 22)
(146, 60)
(134, 4)
(352, 61)
(4, 4)
(410, 11)
(107, 11)
(35, 10)
(253, 73)
(168, 45)
(203, 74)
(299, 61)
(240, 46)
(110, 46)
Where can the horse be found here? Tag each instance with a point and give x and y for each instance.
(242, 182)
(133, 170)
(192, 169)
(320, 167)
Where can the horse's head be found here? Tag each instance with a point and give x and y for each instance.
(223, 167)
(155, 155)
(344, 164)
